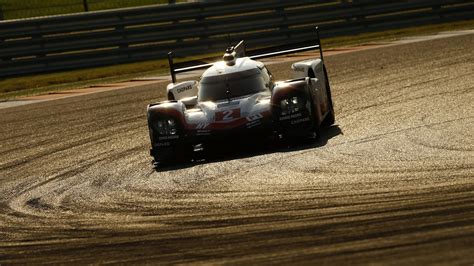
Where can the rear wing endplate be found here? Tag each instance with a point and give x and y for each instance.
(240, 52)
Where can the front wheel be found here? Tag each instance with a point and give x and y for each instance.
(171, 156)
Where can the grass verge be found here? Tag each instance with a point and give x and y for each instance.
(41, 84)
(392, 35)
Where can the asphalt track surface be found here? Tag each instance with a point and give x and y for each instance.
(392, 182)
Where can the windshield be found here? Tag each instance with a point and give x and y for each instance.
(215, 88)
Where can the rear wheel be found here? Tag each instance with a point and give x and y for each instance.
(316, 129)
(330, 117)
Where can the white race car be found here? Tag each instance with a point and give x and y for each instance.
(236, 101)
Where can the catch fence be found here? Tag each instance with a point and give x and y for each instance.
(102, 38)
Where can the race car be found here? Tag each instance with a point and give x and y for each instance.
(237, 99)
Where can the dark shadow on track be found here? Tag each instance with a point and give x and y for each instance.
(239, 150)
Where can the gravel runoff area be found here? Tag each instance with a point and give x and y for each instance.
(390, 183)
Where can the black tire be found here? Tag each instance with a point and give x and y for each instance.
(180, 155)
(316, 128)
(159, 162)
(162, 162)
(171, 96)
(330, 118)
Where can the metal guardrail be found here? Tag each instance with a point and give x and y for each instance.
(102, 38)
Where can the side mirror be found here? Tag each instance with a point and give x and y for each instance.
(190, 102)
(185, 89)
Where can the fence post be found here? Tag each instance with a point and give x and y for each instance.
(120, 29)
(360, 18)
(280, 12)
(86, 5)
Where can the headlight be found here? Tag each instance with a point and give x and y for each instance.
(284, 106)
(294, 100)
(291, 105)
(166, 127)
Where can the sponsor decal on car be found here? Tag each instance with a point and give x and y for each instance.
(254, 117)
(253, 124)
(292, 116)
(254, 120)
(185, 88)
(163, 144)
(202, 125)
(227, 115)
(226, 104)
(301, 120)
(168, 137)
(203, 133)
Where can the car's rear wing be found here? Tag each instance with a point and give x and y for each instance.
(240, 52)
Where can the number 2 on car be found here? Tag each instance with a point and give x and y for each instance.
(227, 115)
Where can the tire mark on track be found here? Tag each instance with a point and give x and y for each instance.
(374, 191)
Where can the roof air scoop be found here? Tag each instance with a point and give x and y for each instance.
(229, 56)
(233, 52)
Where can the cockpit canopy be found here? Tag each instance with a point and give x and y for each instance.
(233, 85)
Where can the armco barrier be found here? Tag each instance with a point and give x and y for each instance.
(101, 38)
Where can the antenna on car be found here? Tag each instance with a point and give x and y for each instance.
(240, 49)
(319, 44)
